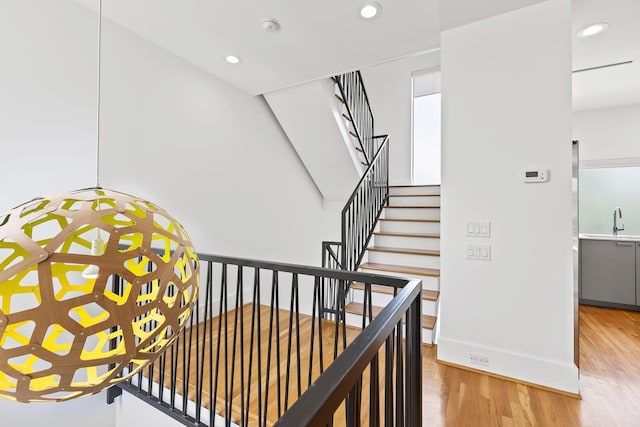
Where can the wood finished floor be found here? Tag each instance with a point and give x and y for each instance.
(245, 367)
(610, 383)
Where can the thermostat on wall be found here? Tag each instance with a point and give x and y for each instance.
(535, 175)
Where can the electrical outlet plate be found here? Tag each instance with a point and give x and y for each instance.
(478, 359)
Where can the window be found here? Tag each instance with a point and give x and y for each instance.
(426, 127)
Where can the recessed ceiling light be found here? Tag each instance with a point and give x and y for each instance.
(370, 10)
(593, 29)
(232, 59)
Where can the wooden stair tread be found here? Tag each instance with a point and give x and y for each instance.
(412, 207)
(428, 322)
(340, 98)
(427, 295)
(418, 235)
(424, 252)
(418, 271)
(358, 308)
(409, 220)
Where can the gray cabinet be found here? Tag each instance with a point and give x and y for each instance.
(608, 271)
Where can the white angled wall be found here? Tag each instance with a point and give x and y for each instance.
(506, 91)
(211, 155)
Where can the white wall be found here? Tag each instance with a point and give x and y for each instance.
(389, 90)
(88, 411)
(210, 154)
(608, 133)
(47, 141)
(133, 412)
(213, 156)
(506, 90)
(47, 99)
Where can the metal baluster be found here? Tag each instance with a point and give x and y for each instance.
(209, 304)
(222, 311)
(274, 282)
(399, 378)
(297, 302)
(255, 312)
(289, 343)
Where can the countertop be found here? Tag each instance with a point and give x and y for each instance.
(618, 238)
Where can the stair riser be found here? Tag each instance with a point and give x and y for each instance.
(415, 201)
(415, 190)
(432, 244)
(408, 260)
(410, 227)
(409, 213)
(356, 321)
(428, 282)
(381, 300)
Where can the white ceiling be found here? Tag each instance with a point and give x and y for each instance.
(317, 38)
(613, 86)
(327, 37)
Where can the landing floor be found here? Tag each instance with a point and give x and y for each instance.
(609, 379)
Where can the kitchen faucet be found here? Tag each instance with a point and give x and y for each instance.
(615, 221)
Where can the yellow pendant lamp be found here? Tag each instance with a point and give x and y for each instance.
(94, 285)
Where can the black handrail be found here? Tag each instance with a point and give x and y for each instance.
(342, 381)
(362, 210)
(355, 97)
(230, 361)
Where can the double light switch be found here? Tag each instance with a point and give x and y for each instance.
(479, 229)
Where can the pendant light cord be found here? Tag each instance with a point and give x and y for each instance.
(98, 97)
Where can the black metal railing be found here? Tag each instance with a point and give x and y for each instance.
(362, 210)
(359, 218)
(377, 379)
(258, 340)
(355, 97)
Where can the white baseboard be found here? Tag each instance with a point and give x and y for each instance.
(522, 367)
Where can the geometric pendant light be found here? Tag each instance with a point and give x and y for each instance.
(65, 333)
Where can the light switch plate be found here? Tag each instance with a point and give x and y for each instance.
(479, 252)
(479, 228)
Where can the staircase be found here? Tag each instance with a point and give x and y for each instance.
(406, 244)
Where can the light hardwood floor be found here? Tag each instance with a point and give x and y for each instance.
(610, 382)
(609, 379)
